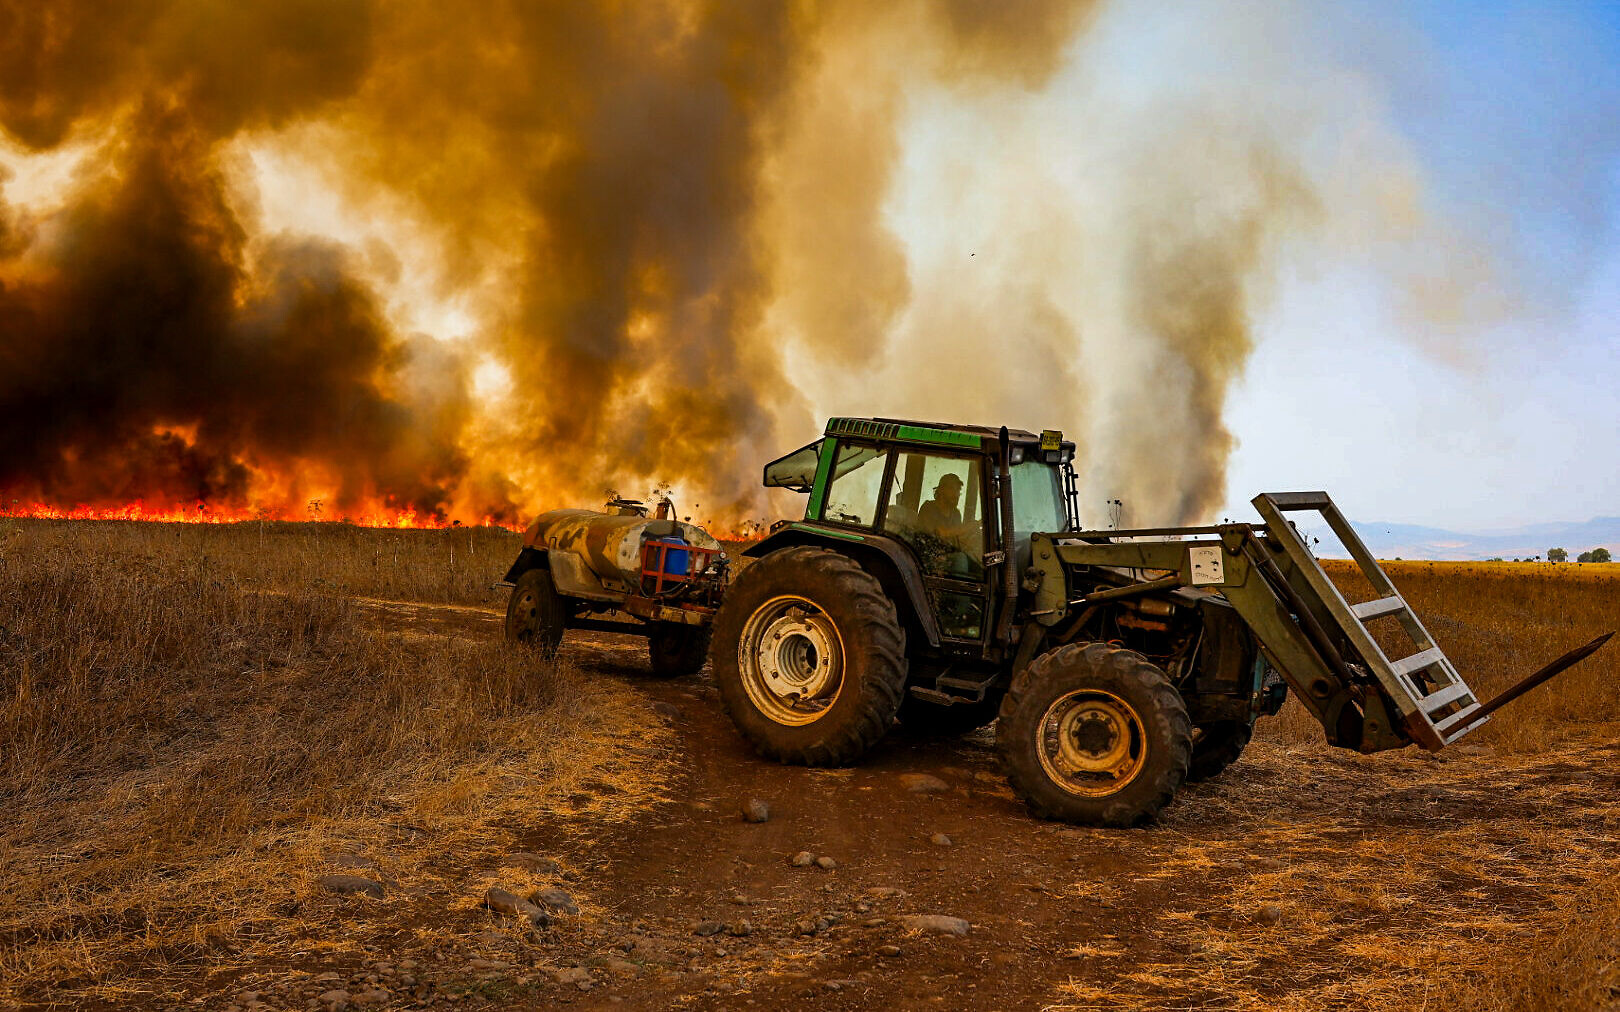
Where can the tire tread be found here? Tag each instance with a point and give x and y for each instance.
(885, 657)
(1024, 771)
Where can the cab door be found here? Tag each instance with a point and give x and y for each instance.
(937, 504)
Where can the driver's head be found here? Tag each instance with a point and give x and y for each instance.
(949, 489)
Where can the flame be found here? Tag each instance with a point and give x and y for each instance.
(204, 513)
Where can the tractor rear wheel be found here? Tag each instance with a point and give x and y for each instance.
(923, 719)
(678, 650)
(1094, 734)
(535, 613)
(809, 657)
(1217, 746)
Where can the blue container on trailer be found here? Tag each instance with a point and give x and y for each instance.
(676, 560)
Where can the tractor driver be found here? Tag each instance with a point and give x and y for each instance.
(944, 549)
(940, 516)
(942, 541)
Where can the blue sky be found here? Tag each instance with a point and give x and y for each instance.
(1513, 112)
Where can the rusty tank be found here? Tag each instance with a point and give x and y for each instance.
(600, 555)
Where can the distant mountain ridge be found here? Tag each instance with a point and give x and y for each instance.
(1412, 541)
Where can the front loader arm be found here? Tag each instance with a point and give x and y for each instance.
(1303, 625)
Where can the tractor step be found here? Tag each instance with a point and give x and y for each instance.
(968, 691)
(935, 696)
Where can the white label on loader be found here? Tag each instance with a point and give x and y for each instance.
(1206, 566)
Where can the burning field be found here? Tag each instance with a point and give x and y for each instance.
(204, 720)
(306, 307)
(394, 264)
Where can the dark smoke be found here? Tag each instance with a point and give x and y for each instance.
(609, 157)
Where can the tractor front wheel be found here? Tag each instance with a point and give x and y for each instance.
(1096, 735)
(809, 657)
(536, 614)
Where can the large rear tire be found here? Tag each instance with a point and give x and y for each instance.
(536, 614)
(677, 650)
(1096, 735)
(809, 657)
(1217, 746)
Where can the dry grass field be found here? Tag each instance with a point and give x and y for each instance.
(192, 719)
(195, 721)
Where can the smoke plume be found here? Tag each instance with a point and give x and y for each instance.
(474, 261)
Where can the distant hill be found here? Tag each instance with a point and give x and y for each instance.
(1410, 541)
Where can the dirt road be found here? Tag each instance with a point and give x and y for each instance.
(1303, 878)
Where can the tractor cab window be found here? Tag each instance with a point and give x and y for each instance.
(857, 480)
(1038, 505)
(935, 507)
(797, 470)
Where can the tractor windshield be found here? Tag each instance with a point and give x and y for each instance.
(857, 479)
(1038, 505)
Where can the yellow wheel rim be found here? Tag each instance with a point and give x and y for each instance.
(1091, 743)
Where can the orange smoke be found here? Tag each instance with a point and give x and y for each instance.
(588, 181)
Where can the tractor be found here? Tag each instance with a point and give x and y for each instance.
(939, 579)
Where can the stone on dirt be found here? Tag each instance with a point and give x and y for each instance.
(707, 928)
(937, 923)
(940, 840)
(740, 929)
(888, 950)
(755, 810)
(335, 1000)
(348, 885)
(826, 863)
(556, 899)
(575, 975)
(923, 783)
(803, 859)
(504, 902)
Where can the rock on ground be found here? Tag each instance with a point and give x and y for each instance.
(556, 899)
(937, 923)
(755, 810)
(923, 783)
(505, 902)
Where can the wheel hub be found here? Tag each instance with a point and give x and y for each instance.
(791, 660)
(796, 657)
(1091, 743)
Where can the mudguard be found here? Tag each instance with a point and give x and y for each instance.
(881, 556)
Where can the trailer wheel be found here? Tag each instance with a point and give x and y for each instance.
(535, 613)
(923, 719)
(1094, 734)
(1217, 746)
(809, 657)
(678, 650)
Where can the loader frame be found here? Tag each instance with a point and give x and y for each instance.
(1305, 628)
